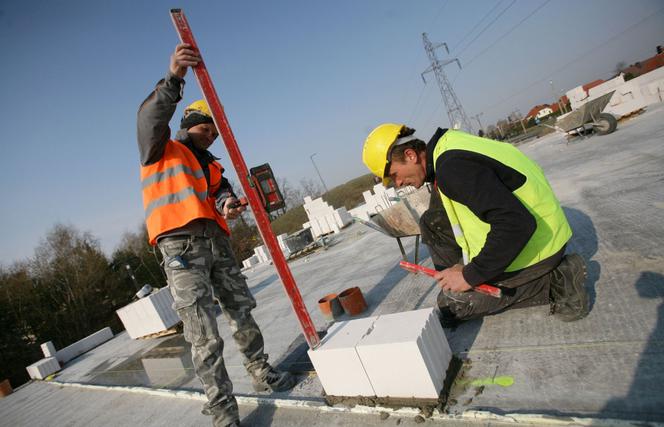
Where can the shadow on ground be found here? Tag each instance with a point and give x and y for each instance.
(645, 395)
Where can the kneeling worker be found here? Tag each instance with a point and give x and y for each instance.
(493, 219)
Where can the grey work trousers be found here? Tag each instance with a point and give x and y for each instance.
(523, 288)
(200, 269)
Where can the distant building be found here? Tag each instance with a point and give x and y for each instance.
(579, 94)
(539, 111)
(645, 66)
(544, 112)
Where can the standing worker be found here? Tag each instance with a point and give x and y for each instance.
(187, 202)
(493, 219)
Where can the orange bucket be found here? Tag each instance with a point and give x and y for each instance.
(352, 301)
(330, 307)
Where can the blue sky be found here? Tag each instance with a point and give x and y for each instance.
(295, 77)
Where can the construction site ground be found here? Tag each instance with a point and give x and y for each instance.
(520, 366)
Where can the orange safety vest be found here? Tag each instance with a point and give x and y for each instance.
(175, 191)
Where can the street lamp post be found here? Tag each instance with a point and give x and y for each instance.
(317, 171)
(555, 99)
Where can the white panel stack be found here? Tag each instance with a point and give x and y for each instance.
(281, 239)
(337, 363)
(262, 254)
(48, 349)
(149, 315)
(43, 368)
(628, 97)
(415, 342)
(84, 345)
(402, 355)
(250, 262)
(381, 200)
(323, 218)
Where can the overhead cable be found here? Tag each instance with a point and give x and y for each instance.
(477, 25)
(488, 26)
(467, 64)
(579, 57)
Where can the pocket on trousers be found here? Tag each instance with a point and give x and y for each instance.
(174, 246)
(173, 251)
(193, 330)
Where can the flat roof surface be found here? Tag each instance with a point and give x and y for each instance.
(608, 365)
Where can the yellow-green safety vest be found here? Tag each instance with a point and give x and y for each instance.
(470, 232)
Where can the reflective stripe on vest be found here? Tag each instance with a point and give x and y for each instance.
(175, 191)
(470, 232)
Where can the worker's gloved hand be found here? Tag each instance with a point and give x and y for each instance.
(232, 208)
(452, 279)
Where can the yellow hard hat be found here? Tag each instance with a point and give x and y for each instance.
(377, 147)
(199, 106)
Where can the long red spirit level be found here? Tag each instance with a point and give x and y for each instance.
(220, 120)
(483, 289)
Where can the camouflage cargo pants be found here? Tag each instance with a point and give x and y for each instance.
(199, 270)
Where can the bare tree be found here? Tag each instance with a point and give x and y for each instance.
(310, 188)
(619, 67)
(292, 195)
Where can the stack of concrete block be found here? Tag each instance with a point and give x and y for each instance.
(381, 199)
(298, 241)
(628, 97)
(281, 239)
(84, 345)
(358, 357)
(151, 314)
(262, 254)
(250, 262)
(53, 359)
(323, 218)
(43, 368)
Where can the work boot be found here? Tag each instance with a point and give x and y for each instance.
(224, 414)
(272, 380)
(569, 299)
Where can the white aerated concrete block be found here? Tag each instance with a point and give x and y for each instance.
(48, 349)
(250, 262)
(337, 363)
(400, 355)
(84, 345)
(281, 239)
(43, 368)
(415, 342)
(149, 315)
(342, 217)
(262, 253)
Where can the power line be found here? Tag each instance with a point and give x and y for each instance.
(581, 56)
(433, 114)
(487, 27)
(439, 12)
(467, 64)
(477, 25)
(417, 104)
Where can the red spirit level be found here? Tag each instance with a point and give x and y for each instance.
(220, 120)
